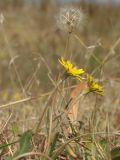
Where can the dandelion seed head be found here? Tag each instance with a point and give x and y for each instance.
(70, 18)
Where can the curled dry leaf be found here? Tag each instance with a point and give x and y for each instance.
(74, 103)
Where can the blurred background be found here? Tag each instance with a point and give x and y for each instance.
(31, 43)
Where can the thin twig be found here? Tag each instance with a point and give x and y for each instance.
(23, 100)
(31, 154)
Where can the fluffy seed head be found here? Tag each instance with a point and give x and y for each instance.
(70, 18)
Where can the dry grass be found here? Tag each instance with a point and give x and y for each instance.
(32, 100)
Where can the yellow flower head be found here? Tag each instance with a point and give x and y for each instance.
(93, 86)
(71, 70)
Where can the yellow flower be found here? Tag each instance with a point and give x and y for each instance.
(71, 70)
(94, 86)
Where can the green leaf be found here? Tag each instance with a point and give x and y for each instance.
(47, 120)
(6, 145)
(115, 153)
(105, 146)
(24, 143)
(14, 129)
(77, 150)
(52, 148)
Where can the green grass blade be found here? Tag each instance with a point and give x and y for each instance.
(115, 153)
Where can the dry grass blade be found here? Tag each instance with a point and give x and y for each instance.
(46, 106)
(32, 154)
(23, 100)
